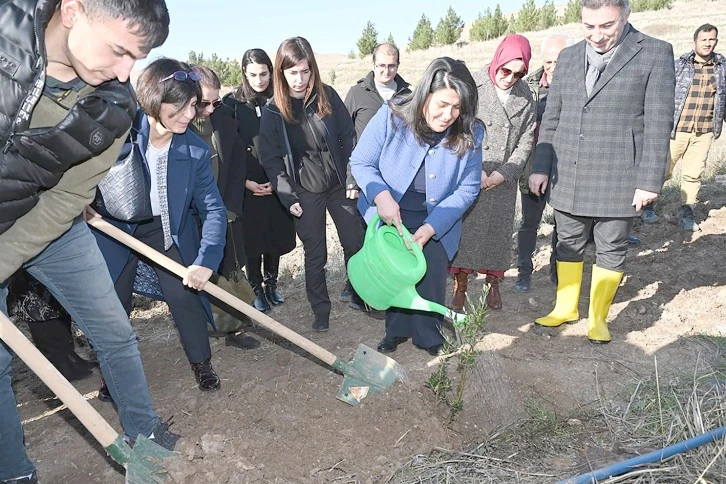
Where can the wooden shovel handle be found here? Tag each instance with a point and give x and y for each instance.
(214, 290)
(89, 417)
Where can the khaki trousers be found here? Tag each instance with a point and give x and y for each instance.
(693, 149)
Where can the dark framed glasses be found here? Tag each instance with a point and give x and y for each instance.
(215, 104)
(182, 76)
(388, 67)
(509, 72)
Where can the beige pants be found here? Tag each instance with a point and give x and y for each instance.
(693, 149)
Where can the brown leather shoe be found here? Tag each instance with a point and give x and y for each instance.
(494, 299)
(461, 281)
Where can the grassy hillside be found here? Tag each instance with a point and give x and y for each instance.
(675, 25)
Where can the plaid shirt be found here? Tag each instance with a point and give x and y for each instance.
(697, 114)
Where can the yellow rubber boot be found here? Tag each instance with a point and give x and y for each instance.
(602, 292)
(569, 281)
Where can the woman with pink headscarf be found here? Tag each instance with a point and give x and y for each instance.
(507, 108)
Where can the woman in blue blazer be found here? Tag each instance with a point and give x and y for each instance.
(419, 163)
(182, 186)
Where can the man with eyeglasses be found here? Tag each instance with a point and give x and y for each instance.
(380, 85)
(64, 69)
(602, 151)
(229, 167)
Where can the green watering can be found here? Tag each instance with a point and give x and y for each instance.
(385, 272)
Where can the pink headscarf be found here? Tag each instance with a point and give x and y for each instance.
(514, 46)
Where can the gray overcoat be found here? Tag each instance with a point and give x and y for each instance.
(486, 242)
(598, 149)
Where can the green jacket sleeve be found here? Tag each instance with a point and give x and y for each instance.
(55, 211)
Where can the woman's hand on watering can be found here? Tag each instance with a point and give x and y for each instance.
(388, 210)
(423, 234)
(296, 210)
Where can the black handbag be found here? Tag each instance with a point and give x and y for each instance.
(123, 194)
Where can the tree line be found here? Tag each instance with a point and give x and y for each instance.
(490, 24)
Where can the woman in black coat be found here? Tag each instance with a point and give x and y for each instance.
(306, 138)
(269, 231)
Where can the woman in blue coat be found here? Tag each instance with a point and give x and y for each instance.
(182, 186)
(418, 163)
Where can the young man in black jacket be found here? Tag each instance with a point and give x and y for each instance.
(65, 67)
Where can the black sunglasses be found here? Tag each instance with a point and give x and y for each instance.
(183, 76)
(215, 104)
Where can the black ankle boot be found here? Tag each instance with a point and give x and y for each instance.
(273, 295)
(206, 376)
(271, 266)
(54, 340)
(260, 302)
(389, 343)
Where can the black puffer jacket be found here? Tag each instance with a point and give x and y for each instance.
(34, 160)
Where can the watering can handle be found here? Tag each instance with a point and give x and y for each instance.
(373, 226)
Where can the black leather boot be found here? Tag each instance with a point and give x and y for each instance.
(206, 376)
(54, 340)
(271, 265)
(260, 302)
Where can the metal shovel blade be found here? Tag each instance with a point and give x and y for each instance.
(146, 463)
(368, 373)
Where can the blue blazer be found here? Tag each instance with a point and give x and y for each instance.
(388, 156)
(191, 189)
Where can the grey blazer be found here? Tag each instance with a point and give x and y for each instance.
(597, 150)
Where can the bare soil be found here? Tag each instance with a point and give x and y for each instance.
(276, 418)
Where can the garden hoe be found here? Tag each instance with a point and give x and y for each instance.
(368, 373)
(146, 463)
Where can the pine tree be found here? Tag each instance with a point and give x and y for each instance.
(483, 27)
(368, 40)
(547, 15)
(500, 25)
(527, 18)
(511, 24)
(390, 40)
(572, 12)
(423, 35)
(448, 29)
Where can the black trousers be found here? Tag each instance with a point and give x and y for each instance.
(611, 239)
(310, 228)
(532, 208)
(184, 302)
(423, 327)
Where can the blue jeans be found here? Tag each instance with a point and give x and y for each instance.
(74, 271)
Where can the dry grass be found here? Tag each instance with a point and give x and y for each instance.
(657, 412)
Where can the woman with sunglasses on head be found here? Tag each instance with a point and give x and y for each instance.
(507, 108)
(182, 186)
(418, 163)
(269, 231)
(306, 137)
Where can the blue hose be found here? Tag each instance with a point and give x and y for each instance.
(649, 458)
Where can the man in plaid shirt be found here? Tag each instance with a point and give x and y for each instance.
(698, 119)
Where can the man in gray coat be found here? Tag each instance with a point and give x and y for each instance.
(603, 150)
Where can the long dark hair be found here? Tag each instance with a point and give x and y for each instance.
(244, 92)
(290, 52)
(442, 73)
